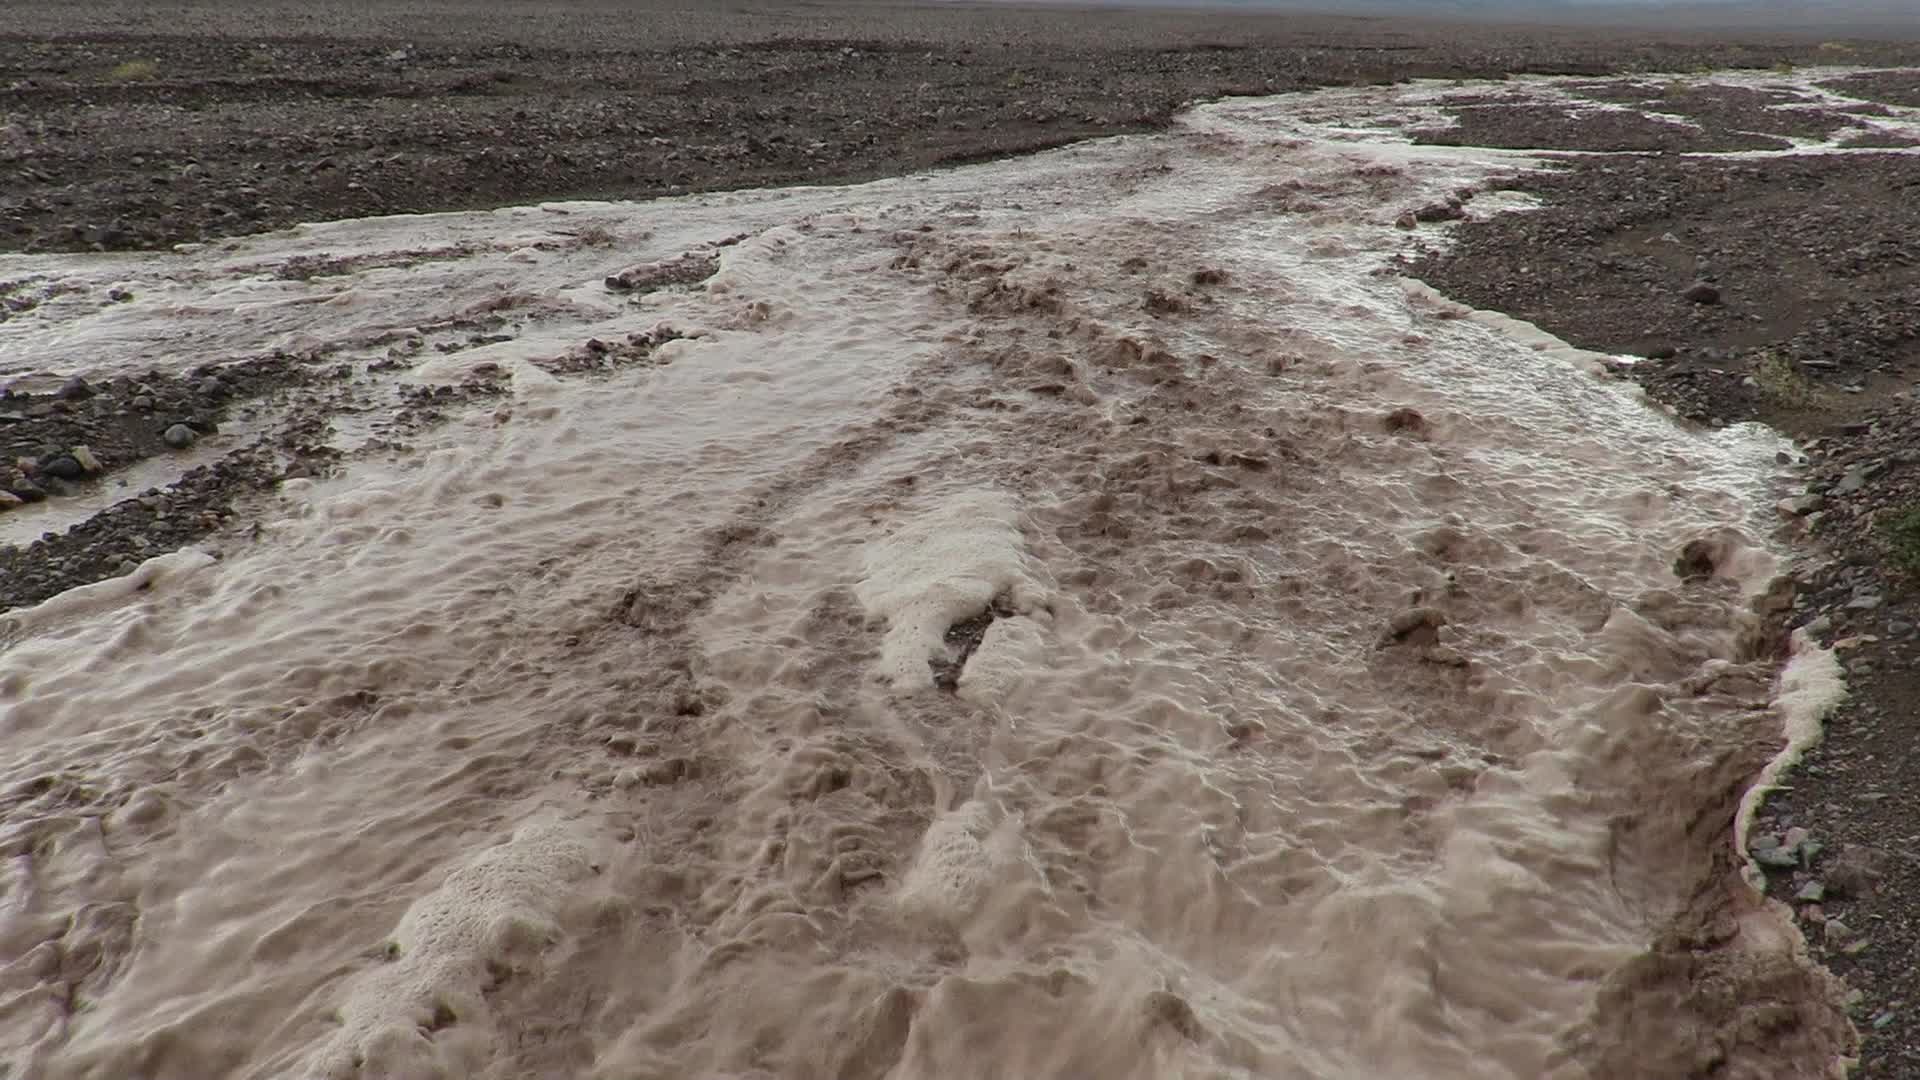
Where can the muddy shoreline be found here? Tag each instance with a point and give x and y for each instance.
(143, 140)
(1810, 328)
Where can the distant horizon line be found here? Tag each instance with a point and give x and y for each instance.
(1769, 15)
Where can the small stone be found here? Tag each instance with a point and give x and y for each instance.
(8, 500)
(1440, 211)
(179, 436)
(1853, 481)
(1701, 292)
(28, 491)
(119, 295)
(142, 402)
(1406, 221)
(1763, 842)
(211, 386)
(1811, 893)
(1795, 837)
(1836, 931)
(1884, 1020)
(1777, 858)
(1853, 872)
(1865, 603)
(62, 467)
(88, 462)
(1800, 505)
(75, 388)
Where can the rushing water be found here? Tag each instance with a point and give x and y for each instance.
(1343, 715)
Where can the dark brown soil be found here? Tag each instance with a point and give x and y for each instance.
(1545, 127)
(1815, 329)
(1889, 87)
(129, 126)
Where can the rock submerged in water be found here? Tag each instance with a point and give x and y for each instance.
(180, 436)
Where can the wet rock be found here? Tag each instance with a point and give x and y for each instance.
(88, 462)
(142, 402)
(1662, 352)
(1172, 1010)
(1697, 560)
(62, 467)
(180, 436)
(1406, 221)
(1701, 292)
(1407, 420)
(119, 295)
(75, 389)
(1440, 211)
(1777, 858)
(211, 387)
(8, 500)
(1801, 505)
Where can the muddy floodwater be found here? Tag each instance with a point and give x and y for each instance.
(1076, 616)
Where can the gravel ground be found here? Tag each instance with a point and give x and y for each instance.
(141, 126)
(1811, 324)
(134, 125)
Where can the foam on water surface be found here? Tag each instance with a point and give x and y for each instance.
(1340, 713)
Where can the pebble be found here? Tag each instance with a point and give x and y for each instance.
(75, 388)
(142, 402)
(1836, 931)
(1701, 292)
(85, 456)
(8, 500)
(1853, 481)
(179, 436)
(1865, 603)
(1812, 892)
(1777, 858)
(62, 467)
